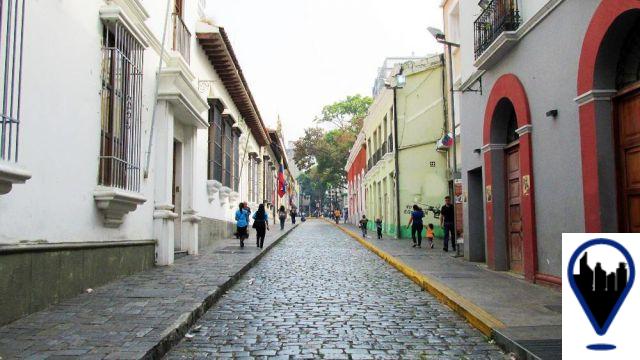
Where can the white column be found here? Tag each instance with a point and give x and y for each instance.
(190, 219)
(163, 215)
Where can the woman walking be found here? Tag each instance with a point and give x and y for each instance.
(282, 216)
(416, 225)
(242, 221)
(261, 224)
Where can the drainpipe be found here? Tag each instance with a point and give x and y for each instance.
(397, 170)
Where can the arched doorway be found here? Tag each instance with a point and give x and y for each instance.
(609, 101)
(508, 178)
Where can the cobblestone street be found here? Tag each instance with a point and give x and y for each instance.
(321, 294)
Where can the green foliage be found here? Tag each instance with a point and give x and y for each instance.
(346, 114)
(322, 154)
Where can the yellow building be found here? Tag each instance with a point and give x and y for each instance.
(409, 155)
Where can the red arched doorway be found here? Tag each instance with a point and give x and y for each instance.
(609, 109)
(509, 185)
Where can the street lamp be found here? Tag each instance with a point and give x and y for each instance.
(441, 38)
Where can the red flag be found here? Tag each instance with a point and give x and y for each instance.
(282, 184)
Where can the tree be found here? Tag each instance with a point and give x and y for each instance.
(346, 114)
(322, 154)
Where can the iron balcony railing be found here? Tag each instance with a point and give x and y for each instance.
(181, 38)
(11, 44)
(498, 16)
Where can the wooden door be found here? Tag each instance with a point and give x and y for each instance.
(628, 158)
(514, 210)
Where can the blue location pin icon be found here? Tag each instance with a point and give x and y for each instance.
(600, 291)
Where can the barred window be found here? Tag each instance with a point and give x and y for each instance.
(11, 44)
(223, 156)
(215, 143)
(236, 160)
(121, 105)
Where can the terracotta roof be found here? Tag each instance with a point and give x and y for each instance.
(218, 48)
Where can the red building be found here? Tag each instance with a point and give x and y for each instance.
(356, 168)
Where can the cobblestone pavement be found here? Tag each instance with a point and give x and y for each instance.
(319, 294)
(131, 317)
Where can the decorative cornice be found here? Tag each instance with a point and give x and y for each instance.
(11, 174)
(116, 13)
(191, 216)
(116, 203)
(525, 129)
(175, 87)
(595, 95)
(491, 147)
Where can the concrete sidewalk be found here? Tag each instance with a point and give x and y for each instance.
(523, 318)
(140, 316)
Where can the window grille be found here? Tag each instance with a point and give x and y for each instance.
(236, 160)
(11, 45)
(215, 143)
(121, 106)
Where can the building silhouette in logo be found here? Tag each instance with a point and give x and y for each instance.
(600, 290)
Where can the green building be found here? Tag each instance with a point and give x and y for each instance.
(402, 130)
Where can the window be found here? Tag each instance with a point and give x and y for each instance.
(12, 21)
(236, 160)
(121, 107)
(253, 178)
(228, 154)
(223, 148)
(215, 143)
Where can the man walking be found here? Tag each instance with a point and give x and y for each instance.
(446, 222)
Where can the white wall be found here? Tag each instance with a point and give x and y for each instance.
(60, 127)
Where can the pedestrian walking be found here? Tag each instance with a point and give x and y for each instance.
(446, 221)
(261, 224)
(363, 225)
(242, 221)
(293, 214)
(430, 235)
(346, 215)
(282, 216)
(337, 214)
(416, 225)
(379, 228)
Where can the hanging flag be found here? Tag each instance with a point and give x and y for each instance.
(282, 184)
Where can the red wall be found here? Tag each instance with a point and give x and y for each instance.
(359, 163)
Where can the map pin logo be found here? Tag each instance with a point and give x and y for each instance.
(600, 291)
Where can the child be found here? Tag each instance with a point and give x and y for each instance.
(363, 225)
(430, 234)
(379, 228)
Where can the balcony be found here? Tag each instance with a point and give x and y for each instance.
(494, 30)
(181, 38)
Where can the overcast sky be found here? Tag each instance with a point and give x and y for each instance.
(299, 55)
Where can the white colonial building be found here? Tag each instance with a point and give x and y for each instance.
(116, 152)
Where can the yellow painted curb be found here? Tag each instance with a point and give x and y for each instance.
(475, 315)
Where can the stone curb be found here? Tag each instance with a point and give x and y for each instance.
(476, 316)
(173, 336)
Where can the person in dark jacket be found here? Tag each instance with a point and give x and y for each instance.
(282, 216)
(446, 221)
(261, 224)
(416, 225)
